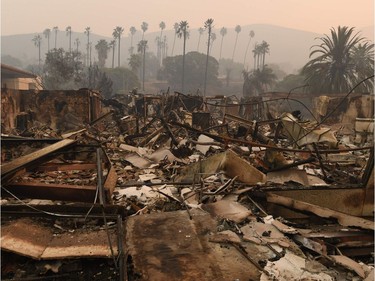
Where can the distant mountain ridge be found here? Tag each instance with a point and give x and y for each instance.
(289, 48)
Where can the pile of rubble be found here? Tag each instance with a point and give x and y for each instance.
(177, 187)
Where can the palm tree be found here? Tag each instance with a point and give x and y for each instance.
(333, 68)
(47, 33)
(68, 30)
(258, 81)
(264, 49)
(257, 54)
(87, 32)
(56, 29)
(363, 58)
(251, 35)
(213, 38)
(144, 28)
(142, 45)
(175, 27)
(112, 45)
(102, 48)
(37, 42)
(165, 48)
(207, 25)
(183, 31)
(117, 35)
(135, 62)
(132, 32)
(159, 42)
(238, 30)
(223, 32)
(200, 30)
(77, 43)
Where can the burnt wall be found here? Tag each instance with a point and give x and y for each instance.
(59, 110)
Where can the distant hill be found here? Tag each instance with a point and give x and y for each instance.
(289, 48)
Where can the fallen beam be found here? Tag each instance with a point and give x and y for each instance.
(62, 192)
(343, 219)
(29, 159)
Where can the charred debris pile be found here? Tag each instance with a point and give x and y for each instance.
(180, 187)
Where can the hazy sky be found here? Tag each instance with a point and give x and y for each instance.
(33, 16)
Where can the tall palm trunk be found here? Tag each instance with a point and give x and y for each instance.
(119, 39)
(235, 45)
(208, 54)
(264, 58)
(255, 60)
(183, 65)
(247, 48)
(199, 41)
(113, 56)
(144, 68)
(221, 46)
(174, 41)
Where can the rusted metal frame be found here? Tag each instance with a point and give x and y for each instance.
(65, 167)
(73, 210)
(30, 159)
(100, 187)
(120, 247)
(227, 140)
(6, 140)
(63, 192)
(320, 161)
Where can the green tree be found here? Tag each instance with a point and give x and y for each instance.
(333, 67)
(112, 45)
(257, 81)
(208, 26)
(124, 80)
(142, 45)
(62, 70)
(55, 29)
(195, 69)
(200, 30)
(99, 80)
(37, 39)
(264, 49)
(47, 34)
(132, 32)
(175, 27)
(144, 28)
(363, 58)
(223, 32)
(289, 82)
(135, 62)
(238, 30)
(102, 48)
(183, 32)
(251, 35)
(117, 32)
(257, 52)
(68, 30)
